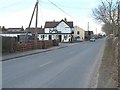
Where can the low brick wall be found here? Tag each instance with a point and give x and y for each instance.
(48, 43)
(23, 46)
(31, 45)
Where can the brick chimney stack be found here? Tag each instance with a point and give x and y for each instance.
(65, 19)
(41, 26)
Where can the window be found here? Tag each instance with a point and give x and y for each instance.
(65, 36)
(72, 32)
(43, 36)
(78, 32)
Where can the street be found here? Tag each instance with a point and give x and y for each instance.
(69, 67)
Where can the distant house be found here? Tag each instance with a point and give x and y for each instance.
(15, 29)
(3, 28)
(12, 32)
(32, 30)
(60, 30)
(88, 34)
(79, 34)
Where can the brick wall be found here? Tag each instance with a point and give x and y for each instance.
(31, 45)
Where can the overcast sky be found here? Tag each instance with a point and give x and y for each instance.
(17, 13)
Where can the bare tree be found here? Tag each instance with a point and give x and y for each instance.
(107, 13)
(107, 28)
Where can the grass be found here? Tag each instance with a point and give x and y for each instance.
(107, 72)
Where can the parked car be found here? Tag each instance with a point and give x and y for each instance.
(92, 39)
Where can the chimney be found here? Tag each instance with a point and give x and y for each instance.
(0, 28)
(65, 19)
(22, 29)
(41, 26)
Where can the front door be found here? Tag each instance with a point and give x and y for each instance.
(60, 38)
(50, 37)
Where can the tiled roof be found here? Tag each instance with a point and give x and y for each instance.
(15, 29)
(70, 24)
(53, 24)
(32, 30)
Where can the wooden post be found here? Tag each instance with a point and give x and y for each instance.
(36, 34)
(30, 23)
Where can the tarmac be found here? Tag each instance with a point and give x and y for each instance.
(32, 52)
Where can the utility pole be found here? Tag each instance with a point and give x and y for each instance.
(36, 33)
(88, 32)
(96, 31)
(88, 26)
(30, 22)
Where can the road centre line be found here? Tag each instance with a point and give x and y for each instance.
(42, 65)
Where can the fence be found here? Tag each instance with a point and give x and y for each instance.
(10, 45)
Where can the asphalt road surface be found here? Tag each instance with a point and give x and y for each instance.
(69, 67)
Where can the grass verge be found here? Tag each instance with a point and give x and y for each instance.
(108, 70)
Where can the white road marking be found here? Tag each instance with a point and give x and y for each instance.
(45, 64)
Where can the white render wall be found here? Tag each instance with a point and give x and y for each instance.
(81, 32)
(48, 29)
(64, 28)
(11, 35)
(55, 36)
(46, 36)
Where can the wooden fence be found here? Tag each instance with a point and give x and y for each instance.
(9, 44)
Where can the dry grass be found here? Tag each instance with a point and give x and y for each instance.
(108, 71)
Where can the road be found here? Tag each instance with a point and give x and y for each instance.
(69, 67)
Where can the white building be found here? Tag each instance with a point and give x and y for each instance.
(60, 30)
(79, 34)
